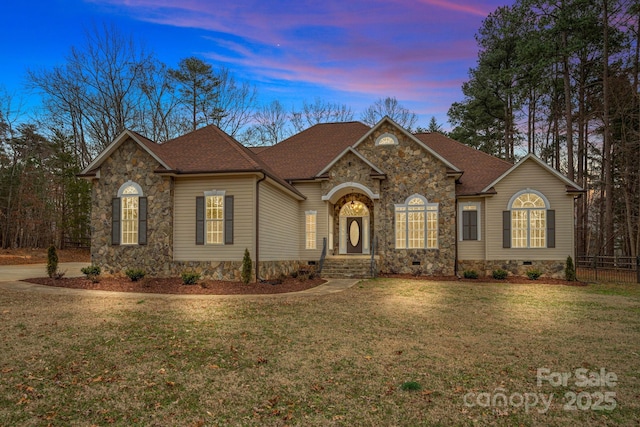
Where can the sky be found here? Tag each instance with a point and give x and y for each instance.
(350, 52)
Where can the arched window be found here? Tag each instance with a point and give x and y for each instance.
(129, 216)
(416, 224)
(529, 218)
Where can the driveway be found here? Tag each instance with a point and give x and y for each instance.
(11, 276)
(9, 273)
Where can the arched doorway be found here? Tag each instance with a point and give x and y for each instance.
(354, 228)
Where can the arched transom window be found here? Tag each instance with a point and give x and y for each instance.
(416, 224)
(129, 215)
(528, 220)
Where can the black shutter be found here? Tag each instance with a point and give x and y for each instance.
(200, 220)
(506, 229)
(115, 221)
(142, 221)
(228, 220)
(551, 228)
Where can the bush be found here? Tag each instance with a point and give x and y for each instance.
(570, 270)
(500, 274)
(190, 278)
(470, 274)
(135, 274)
(92, 272)
(534, 274)
(52, 262)
(246, 267)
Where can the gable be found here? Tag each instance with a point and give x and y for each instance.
(526, 165)
(388, 129)
(148, 146)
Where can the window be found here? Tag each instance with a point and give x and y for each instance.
(129, 216)
(387, 139)
(310, 229)
(214, 218)
(469, 220)
(528, 220)
(416, 224)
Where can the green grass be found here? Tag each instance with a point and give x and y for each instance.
(339, 359)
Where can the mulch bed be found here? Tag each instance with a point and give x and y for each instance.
(487, 279)
(175, 286)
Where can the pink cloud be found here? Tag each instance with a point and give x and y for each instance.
(404, 48)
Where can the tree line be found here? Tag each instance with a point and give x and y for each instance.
(559, 78)
(110, 83)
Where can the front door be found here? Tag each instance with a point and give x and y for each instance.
(354, 235)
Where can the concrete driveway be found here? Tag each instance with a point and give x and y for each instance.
(11, 273)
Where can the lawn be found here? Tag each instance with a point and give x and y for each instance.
(340, 359)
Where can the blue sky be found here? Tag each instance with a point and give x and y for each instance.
(351, 52)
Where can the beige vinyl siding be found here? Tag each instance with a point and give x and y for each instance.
(184, 226)
(313, 192)
(279, 221)
(533, 176)
(472, 249)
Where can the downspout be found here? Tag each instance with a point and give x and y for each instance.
(455, 265)
(257, 255)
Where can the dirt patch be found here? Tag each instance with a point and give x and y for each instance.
(175, 286)
(486, 279)
(39, 256)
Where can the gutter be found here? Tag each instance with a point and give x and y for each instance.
(257, 250)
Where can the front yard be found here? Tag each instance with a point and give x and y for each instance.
(479, 353)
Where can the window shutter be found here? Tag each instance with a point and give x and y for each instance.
(115, 221)
(142, 220)
(469, 225)
(228, 220)
(506, 229)
(200, 220)
(551, 228)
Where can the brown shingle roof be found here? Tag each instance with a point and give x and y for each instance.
(210, 150)
(305, 154)
(480, 169)
(207, 149)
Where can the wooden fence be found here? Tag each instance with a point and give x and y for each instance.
(608, 269)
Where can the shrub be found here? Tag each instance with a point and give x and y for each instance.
(190, 278)
(135, 274)
(470, 274)
(246, 267)
(534, 274)
(92, 272)
(570, 270)
(500, 274)
(52, 262)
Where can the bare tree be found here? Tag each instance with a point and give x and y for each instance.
(96, 93)
(236, 102)
(270, 126)
(319, 112)
(389, 107)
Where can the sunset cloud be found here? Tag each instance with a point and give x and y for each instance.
(413, 50)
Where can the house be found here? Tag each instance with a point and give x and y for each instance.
(409, 203)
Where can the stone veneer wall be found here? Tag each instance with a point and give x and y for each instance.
(410, 170)
(553, 269)
(131, 162)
